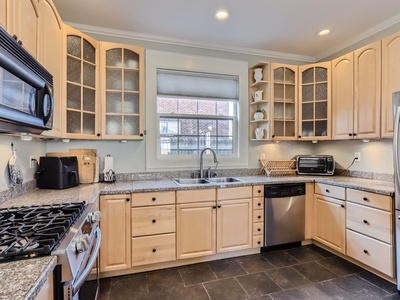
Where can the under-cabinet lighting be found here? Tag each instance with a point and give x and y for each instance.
(65, 140)
(366, 140)
(314, 142)
(26, 137)
(222, 14)
(123, 141)
(277, 142)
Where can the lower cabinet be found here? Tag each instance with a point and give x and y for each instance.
(258, 216)
(115, 225)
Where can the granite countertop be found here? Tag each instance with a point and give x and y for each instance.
(28, 276)
(23, 279)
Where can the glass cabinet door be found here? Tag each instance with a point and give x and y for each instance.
(315, 102)
(122, 77)
(81, 103)
(284, 96)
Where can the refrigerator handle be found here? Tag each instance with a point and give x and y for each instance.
(396, 142)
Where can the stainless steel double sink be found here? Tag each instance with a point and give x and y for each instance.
(201, 181)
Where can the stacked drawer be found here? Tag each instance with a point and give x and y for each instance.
(153, 227)
(258, 216)
(370, 230)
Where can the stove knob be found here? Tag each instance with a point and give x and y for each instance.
(84, 238)
(94, 217)
(81, 246)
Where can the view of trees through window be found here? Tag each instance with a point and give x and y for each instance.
(189, 125)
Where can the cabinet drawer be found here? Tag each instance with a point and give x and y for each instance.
(258, 215)
(258, 191)
(258, 228)
(153, 198)
(371, 199)
(258, 241)
(258, 203)
(330, 190)
(153, 220)
(234, 193)
(370, 221)
(371, 252)
(153, 249)
(190, 196)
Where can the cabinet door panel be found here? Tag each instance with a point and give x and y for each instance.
(234, 225)
(196, 229)
(3, 14)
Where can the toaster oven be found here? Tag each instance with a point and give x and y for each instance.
(315, 164)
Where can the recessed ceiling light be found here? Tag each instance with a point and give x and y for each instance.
(324, 32)
(222, 14)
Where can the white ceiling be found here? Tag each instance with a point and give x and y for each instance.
(263, 27)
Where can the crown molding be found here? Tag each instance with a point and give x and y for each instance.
(371, 31)
(186, 43)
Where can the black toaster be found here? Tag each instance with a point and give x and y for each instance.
(57, 172)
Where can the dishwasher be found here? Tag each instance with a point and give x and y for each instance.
(284, 214)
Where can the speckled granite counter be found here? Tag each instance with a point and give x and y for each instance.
(25, 285)
(23, 279)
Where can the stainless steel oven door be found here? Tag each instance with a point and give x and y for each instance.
(71, 289)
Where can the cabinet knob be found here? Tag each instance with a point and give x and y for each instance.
(259, 242)
(273, 135)
(153, 199)
(214, 207)
(365, 251)
(259, 204)
(259, 217)
(154, 250)
(299, 136)
(219, 206)
(141, 134)
(128, 199)
(259, 229)
(350, 134)
(365, 199)
(328, 191)
(153, 221)
(366, 222)
(259, 191)
(342, 205)
(354, 134)
(98, 135)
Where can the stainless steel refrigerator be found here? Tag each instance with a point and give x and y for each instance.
(396, 163)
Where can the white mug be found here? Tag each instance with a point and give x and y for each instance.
(259, 132)
(257, 96)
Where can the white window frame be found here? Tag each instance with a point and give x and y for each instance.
(168, 60)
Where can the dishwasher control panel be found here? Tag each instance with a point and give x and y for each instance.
(284, 190)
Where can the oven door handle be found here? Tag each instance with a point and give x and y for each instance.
(81, 280)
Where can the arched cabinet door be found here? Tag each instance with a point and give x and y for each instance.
(122, 82)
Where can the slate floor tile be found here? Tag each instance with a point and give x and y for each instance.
(339, 266)
(130, 287)
(225, 289)
(280, 259)
(287, 278)
(304, 254)
(292, 294)
(192, 292)
(319, 250)
(105, 286)
(164, 279)
(314, 272)
(326, 290)
(254, 263)
(257, 284)
(226, 268)
(198, 273)
(379, 282)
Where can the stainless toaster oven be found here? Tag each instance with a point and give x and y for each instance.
(315, 164)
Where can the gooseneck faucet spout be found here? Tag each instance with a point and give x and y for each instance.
(201, 160)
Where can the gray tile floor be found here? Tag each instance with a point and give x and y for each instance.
(307, 272)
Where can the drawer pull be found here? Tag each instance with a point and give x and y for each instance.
(153, 221)
(259, 242)
(219, 206)
(259, 191)
(366, 222)
(153, 199)
(128, 199)
(342, 205)
(214, 207)
(259, 229)
(259, 217)
(259, 204)
(328, 191)
(365, 199)
(154, 250)
(366, 251)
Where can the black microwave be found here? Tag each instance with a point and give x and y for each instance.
(315, 164)
(26, 90)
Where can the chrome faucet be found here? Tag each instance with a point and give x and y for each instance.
(201, 161)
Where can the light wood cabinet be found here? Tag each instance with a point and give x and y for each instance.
(284, 98)
(50, 56)
(330, 222)
(367, 91)
(261, 86)
(153, 227)
(122, 82)
(390, 82)
(81, 101)
(3, 13)
(23, 21)
(258, 216)
(315, 101)
(115, 225)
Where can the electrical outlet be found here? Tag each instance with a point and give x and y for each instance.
(357, 156)
(31, 161)
(262, 156)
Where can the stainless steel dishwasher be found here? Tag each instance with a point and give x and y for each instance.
(284, 213)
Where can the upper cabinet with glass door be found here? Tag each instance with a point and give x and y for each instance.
(315, 101)
(122, 69)
(81, 86)
(259, 89)
(284, 102)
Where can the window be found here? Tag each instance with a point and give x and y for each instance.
(196, 110)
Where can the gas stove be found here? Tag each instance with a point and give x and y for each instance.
(29, 231)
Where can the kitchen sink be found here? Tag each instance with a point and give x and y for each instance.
(224, 179)
(190, 181)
